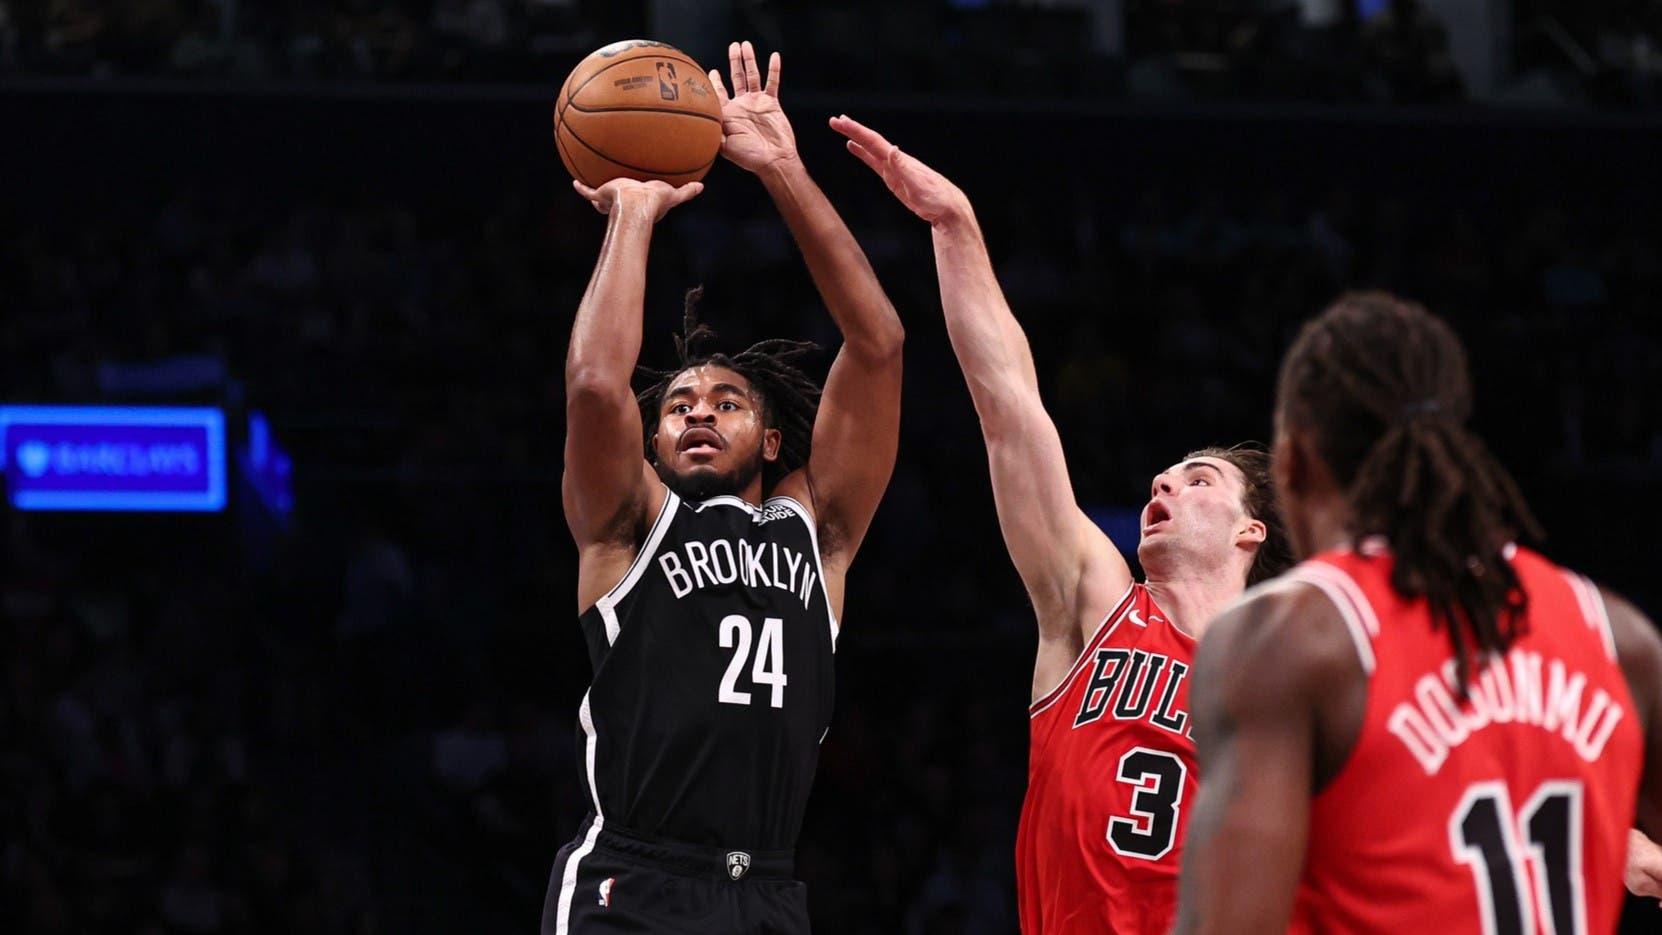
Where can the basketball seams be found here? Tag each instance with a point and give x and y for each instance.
(573, 105)
(587, 145)
(576, 151)
(566, 157)
(572, 97)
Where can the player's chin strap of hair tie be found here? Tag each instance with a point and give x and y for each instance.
(1419, 411)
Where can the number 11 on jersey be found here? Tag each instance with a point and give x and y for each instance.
(770, 659)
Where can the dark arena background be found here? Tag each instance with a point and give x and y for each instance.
(344, 701)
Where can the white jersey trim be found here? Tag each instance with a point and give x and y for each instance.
(607, 605)
(813, 536)
(568, 879)
(568, 876)
(1337, 586)
(1593, 610)
(726, 500)
(1110, 622)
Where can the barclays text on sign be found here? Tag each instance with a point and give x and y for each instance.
(113, 457)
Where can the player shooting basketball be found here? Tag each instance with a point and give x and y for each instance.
(1111, 769)
(712, 561)
(1422, 727)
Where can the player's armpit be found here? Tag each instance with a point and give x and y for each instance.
(1260, 676)
(856, 440)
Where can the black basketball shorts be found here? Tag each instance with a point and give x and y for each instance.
(608, 880)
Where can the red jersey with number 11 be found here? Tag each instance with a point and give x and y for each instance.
(1504, 812)
(1111, 771)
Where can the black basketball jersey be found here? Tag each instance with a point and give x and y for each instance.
(713, 678)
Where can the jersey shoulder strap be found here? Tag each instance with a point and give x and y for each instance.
(608, 603)
(1346, 596)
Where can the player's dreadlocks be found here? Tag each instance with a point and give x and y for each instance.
(1384, 386)
(1275, 554)
(789, 397)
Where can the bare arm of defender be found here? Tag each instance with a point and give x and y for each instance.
(1258, 741)
(608, 487)
(1071, 570)
(1639, 651)
(857, 431)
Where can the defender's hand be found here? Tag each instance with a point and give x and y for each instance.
(1644, 866)
(756, 135)
(929, 194)
(656, 198)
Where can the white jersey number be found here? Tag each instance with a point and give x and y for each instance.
(769, 668)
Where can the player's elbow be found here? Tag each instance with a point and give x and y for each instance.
(594, 386)
(597, 404)
(881, 345)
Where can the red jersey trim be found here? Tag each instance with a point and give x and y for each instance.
(1587, 596)
(1348, 599)
(1104, 628)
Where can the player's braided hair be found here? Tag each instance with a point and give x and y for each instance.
(1275, 553)
(1383, 385)
(789, 397)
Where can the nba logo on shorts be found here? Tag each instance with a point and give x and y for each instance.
(606, 891)
(737, 863)
(666, 81)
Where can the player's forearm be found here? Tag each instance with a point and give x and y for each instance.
(992, 350)
(606, 337)
(840, 269)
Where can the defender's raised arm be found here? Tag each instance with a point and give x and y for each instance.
(1071, 570)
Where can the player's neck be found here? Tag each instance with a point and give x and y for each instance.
(1192, 600)
(1327, 526)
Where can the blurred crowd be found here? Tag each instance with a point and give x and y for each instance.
(1380, 51)
(365, 724)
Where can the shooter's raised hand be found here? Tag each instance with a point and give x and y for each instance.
(929, 194)
(756, 134)
(654, 197)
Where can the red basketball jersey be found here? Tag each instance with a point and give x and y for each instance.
(1506, 812)
(1110, 775)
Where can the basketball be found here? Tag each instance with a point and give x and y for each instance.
(637, 109)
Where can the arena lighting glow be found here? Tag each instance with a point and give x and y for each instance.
(266, 466)
(116, 458)
(1123, 524)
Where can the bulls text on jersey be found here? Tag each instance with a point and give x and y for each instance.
(1127, 682)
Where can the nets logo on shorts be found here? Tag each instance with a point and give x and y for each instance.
(738, 862)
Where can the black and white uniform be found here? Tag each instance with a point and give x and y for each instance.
(699, 736)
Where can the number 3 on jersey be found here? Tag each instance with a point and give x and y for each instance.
(1152, 828)
(770, 659)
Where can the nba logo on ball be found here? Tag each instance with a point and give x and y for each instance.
(667, 88)
(737, 863)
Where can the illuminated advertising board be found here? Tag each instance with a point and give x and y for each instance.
(113, 457)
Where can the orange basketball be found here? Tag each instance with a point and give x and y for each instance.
(637, 109)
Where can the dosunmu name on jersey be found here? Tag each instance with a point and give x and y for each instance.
(1515, 688)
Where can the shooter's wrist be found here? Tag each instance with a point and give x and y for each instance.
(780, 174)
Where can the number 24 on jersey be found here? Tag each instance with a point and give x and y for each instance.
(769, 667)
